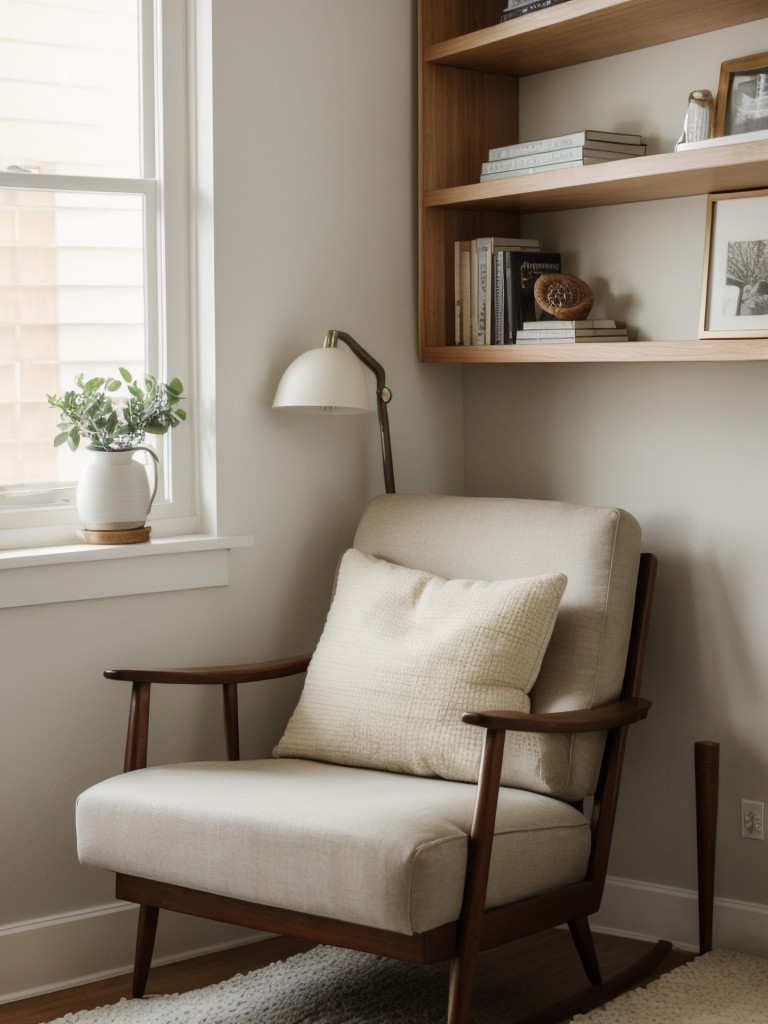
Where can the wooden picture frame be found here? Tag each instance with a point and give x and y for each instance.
(742, 95)
(734, 294)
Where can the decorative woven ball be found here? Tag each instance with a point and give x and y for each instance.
(564, 297)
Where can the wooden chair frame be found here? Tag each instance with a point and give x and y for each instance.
(476, 929)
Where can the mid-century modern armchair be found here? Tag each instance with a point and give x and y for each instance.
(472, 688)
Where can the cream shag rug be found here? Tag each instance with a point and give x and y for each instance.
(333, 986)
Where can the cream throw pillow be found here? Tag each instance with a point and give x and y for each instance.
(404, 654)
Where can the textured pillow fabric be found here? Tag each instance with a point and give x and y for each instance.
(405, 653)
(598, 549)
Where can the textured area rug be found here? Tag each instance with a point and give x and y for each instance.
(717, 988)
(332, 986)
(322, 986)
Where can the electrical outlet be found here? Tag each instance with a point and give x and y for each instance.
(752, 819)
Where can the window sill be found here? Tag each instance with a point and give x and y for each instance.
(80, 572)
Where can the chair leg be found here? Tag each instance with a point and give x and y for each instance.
(145, 943)
(581, 934)
(462, 978)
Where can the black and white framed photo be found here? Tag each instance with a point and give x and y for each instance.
(734, 300)
(742, 96)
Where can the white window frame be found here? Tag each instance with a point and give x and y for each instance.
(167, 98)
(61, 572)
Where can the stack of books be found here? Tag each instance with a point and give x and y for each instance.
(515, 8)
(493, 284)
(574, 150)
(568, 332)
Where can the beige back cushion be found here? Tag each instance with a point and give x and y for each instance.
(598, 550)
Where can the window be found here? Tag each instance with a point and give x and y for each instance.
(94, 253)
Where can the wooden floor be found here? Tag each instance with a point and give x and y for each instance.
(532, 972)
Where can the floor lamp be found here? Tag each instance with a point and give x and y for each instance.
(331, 380)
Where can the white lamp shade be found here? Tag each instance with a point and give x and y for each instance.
(324, 379)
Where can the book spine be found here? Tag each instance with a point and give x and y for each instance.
(547, 156)
(483, 284)
(573, 325)
(601, 150)
(509, 311)
(520, 172)
(538, 146)
(466, 294)
(552, 336)
(457, 292)
(534, 5)
(472, 290)
(562, 142)
(524, 339)
(551, 156)
(587, 161)
(498, 298)
(513, 243)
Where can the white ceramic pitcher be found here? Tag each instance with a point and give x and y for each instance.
(114, 493)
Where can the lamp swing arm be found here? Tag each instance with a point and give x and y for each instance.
(383, 398)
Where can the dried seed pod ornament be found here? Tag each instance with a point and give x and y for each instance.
(563, 296)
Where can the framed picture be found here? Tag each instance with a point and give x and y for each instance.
(734, 299)
(742, 95)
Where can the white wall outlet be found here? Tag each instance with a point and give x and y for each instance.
(752, 819)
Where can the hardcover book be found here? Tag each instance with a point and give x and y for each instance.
(519, 274)
(462, 291)
(556, 332)
(586, 137)
(540, 338)
(473, 285)
(574, 333)
(573, 325)
(486, 248)
(600, 150)
(588, 161)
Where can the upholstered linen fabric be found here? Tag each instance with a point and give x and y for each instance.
(598, 549)
(386, 850)
(404, 653)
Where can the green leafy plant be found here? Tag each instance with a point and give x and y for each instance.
(93, 412)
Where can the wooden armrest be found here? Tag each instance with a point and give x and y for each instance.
(497, 724)
(226, 676)
(214, 674)
(610, 716)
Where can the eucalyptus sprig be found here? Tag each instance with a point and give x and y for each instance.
(89, 413)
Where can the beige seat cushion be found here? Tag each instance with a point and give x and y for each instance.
(598, 549)
(386, 850)
(404, 653)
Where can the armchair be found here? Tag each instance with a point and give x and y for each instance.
(449, 779)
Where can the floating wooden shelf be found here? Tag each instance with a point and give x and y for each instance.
(468, 95)
(724, 350)
(584, 30)
(637, 180)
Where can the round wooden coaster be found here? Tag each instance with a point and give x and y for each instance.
(136, 536)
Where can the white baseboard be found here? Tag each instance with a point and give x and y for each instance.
(58, 952)
(646, 911)
(72, 949)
